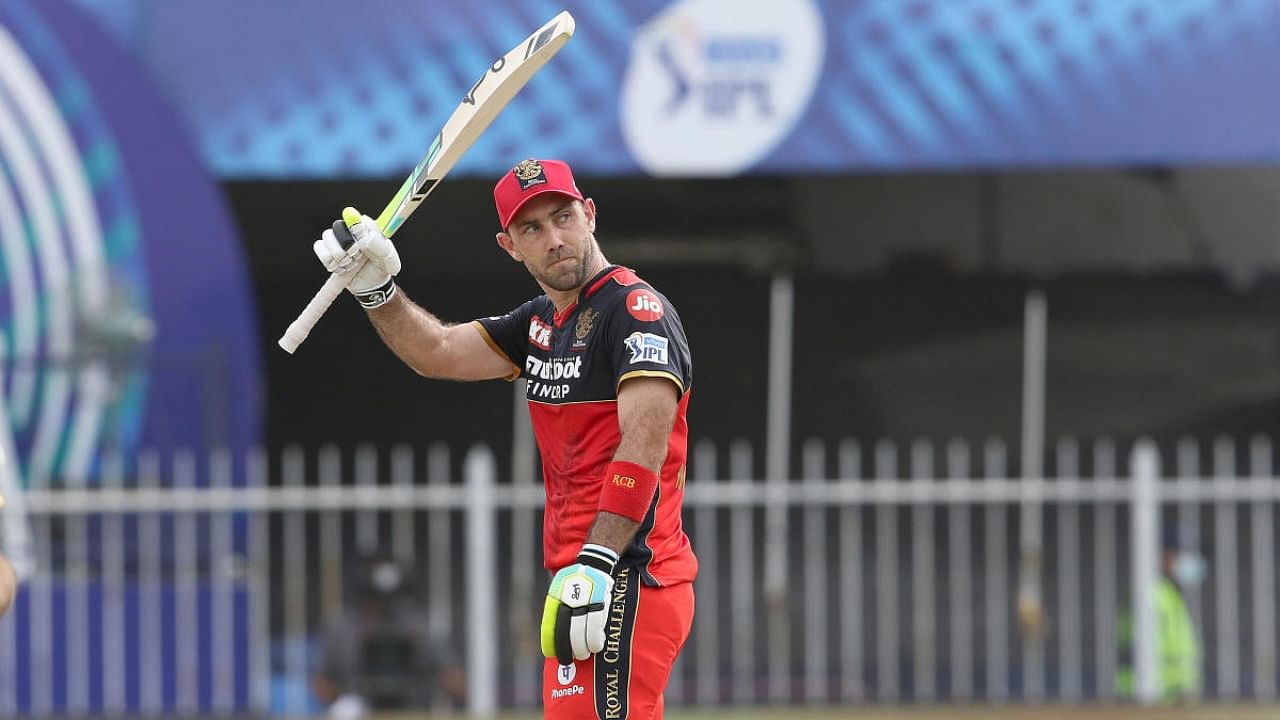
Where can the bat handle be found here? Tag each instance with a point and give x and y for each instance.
(301, 327)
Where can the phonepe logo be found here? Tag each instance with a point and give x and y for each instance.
(557, 693)
(565, 675)
(712, 92)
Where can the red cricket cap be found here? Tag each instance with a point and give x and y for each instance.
(527, 181)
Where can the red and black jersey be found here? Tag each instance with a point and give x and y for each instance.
(574, 362)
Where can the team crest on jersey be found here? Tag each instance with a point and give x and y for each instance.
(529, 173)
(540, 333)
(647, 348)
(644, 305)
(586, 321)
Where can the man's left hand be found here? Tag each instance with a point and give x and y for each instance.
(577, 606)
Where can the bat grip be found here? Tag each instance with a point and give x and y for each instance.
(301, 327)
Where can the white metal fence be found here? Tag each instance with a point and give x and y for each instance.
(197, 584)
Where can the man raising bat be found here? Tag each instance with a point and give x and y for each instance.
(609, 375)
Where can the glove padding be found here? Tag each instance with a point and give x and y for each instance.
(577, 606)
(356, 248)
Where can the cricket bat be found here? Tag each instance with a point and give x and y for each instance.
(495, 88)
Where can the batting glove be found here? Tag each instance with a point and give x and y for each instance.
(573, 618)
(355, 247)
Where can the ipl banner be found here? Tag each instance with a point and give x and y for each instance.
(709, 92)
(723, 87)
(126, 324)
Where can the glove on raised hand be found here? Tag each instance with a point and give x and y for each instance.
(356, 248)
(577, 606)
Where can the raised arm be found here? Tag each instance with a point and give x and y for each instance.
(433, 348)
(368, 261)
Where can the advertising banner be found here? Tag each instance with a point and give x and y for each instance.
(714, 88)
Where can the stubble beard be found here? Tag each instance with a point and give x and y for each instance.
(569, 275)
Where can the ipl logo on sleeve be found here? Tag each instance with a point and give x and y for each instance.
(647, 347)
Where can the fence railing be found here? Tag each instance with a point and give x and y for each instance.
(199, 584)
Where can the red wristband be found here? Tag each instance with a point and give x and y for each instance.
(628, 490)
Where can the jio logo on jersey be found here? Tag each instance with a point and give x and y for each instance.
(644, 305)
(647, 347)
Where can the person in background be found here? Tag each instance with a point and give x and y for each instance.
(8, 585)
(378, 653)
(1178, 665)
(8, 577)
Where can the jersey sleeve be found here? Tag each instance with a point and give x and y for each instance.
(647, 339)
(508, 336)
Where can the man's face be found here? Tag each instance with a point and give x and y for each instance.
(552, 236)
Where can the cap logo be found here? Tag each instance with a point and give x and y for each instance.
(529, 173)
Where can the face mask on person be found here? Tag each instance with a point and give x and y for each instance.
(386, 578)
(1189, 569)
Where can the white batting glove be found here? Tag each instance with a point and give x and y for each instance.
(356, 248)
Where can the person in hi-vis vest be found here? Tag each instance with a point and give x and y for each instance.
(1178, 663)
